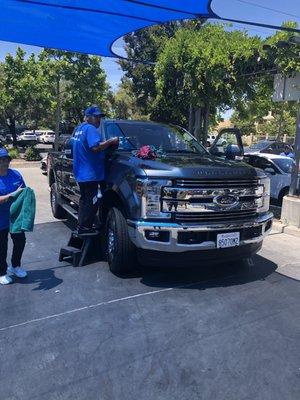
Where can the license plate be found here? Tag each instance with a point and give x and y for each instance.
(225, 240)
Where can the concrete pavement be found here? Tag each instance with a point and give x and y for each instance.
(212, 332)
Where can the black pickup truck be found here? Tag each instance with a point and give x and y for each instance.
(188, 206)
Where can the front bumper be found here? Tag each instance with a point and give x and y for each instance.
(260, 226)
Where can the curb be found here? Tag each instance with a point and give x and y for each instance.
(279, 227)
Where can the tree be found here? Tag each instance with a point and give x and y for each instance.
(249, 112)
(143, 48)
(76, 80)
(202, 71)
(14, 90)
(124, 105)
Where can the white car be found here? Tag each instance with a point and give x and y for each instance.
(278, 168)
(47, 137)
(27, 136)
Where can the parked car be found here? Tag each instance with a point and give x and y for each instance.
(186, 207)
(27, 138)
(278, 168)
(46, 137)
(266, 146)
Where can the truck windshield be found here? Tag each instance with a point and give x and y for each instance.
(170, 139)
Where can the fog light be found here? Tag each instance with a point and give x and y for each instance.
(157, 236)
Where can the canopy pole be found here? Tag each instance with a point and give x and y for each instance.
(276, 27)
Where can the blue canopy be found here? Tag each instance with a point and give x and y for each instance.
(89, 26)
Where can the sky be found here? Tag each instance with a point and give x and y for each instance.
(274, 12)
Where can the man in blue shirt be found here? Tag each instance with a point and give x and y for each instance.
(88, 166)
(11, 181)
(288, 152)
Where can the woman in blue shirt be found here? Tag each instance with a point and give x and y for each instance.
(10, 181)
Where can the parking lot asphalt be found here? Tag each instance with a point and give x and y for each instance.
(213, 332)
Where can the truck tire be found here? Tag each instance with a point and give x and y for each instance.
(120, 251)
(57, 210)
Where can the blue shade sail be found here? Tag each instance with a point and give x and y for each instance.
(89, 26)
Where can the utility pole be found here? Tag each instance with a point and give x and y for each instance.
(294, 188)
(58, 113)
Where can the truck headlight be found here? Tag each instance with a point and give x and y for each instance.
(264, 203)
(149, 192)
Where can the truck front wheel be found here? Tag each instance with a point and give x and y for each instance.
(57, 210)
(121, 252)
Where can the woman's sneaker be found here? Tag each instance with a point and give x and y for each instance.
(18, 271)
(5, 280)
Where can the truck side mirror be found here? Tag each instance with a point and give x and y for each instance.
(233, 152)
(68, 148)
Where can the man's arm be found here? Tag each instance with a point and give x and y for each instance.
(5, 198)
(104, 145)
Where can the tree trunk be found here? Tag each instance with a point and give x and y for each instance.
(12, 130)
(198, 124)
(205, 122)
(191, 119)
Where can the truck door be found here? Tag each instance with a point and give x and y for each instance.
(69, 185)
(228, 144)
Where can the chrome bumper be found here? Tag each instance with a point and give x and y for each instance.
(137, 231)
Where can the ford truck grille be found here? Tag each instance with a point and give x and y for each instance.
(198, 200)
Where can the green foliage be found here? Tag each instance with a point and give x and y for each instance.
(251, 118)
(283, 52)
(32, 154)
(81, 80)
(124, 105)
(203, 70)
(143, 48)
(29, 87)
(14, 153)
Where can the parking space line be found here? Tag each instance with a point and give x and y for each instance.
(102, 303)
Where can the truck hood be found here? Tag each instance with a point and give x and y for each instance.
(194, 166)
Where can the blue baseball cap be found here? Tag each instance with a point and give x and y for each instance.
(4, 153)
(93, 111)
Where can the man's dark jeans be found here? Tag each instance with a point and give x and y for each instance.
(19, 241)
(88, 204)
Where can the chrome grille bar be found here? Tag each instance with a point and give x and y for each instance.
(209, 193)
(185, 217)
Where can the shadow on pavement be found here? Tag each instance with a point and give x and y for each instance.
(206, 276)
(44, 278)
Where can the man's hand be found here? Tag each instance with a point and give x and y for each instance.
(20, 188)
(114, 141)
(104, 145)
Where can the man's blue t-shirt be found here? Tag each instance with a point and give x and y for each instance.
(8, 184)
(87, 165)
(290, 155)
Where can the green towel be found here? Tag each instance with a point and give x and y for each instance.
(22, 211)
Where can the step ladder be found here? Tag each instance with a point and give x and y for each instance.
(77, 249)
